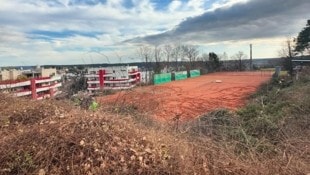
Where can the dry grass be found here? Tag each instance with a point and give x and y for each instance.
(54, 137)
(272, 131)
(36, 139)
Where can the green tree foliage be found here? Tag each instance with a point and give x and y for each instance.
(303, 39)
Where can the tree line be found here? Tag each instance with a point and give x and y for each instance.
(175, 57)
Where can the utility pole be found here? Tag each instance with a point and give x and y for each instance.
(251, 66)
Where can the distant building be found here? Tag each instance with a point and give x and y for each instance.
(11, 74)
(40, 72)
(119, 77)
(36, 84)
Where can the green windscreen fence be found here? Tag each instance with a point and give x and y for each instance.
(162, 78)
(181, 75)
(194, 73)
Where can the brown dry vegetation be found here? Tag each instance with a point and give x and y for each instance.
(54, 137)
(36, 139)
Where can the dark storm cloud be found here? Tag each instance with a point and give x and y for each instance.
(247, 20)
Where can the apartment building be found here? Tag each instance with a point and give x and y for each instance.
(114, 78)
(38, 83)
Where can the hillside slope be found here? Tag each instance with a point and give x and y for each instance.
(268, 136)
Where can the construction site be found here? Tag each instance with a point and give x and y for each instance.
(187, 99)
(120, 120)
(249, 122)
(154, 87)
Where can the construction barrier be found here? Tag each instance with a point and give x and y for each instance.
(167, 77)
(180, 75)
(194, 73)
(162, 78)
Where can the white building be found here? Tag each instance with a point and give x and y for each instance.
(38, 83)
(118, 77)
(13, 74)
(35, 88)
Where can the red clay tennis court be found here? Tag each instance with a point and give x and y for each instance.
(192, 97)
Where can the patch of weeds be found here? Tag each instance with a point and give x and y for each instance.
(264, 147)
(219, 125)
(260, 127)
(106, 92)
(126, 109)
(76, 101)
(276, 110)
(275, 84)
(243, 141)
(249, 112)
(304, 75)
(145, 120)
(4, 121)
(93, 106)
(20, 163)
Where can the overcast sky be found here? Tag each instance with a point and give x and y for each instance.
(99, 31)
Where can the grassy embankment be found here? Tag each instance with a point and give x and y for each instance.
(268, 136)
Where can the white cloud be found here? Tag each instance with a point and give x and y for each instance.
(225, 4)
(196, 4)
(110, 23)
(174, 5)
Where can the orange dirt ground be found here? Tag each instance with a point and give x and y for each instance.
(192, 97)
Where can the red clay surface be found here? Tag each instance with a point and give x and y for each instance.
(192, 97)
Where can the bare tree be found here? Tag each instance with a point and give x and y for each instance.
(191, 53)
(287, 55)
(167, 50)
(286, 50)
(145, 52)
(177, 54)
(158, 58)
(239, 57)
